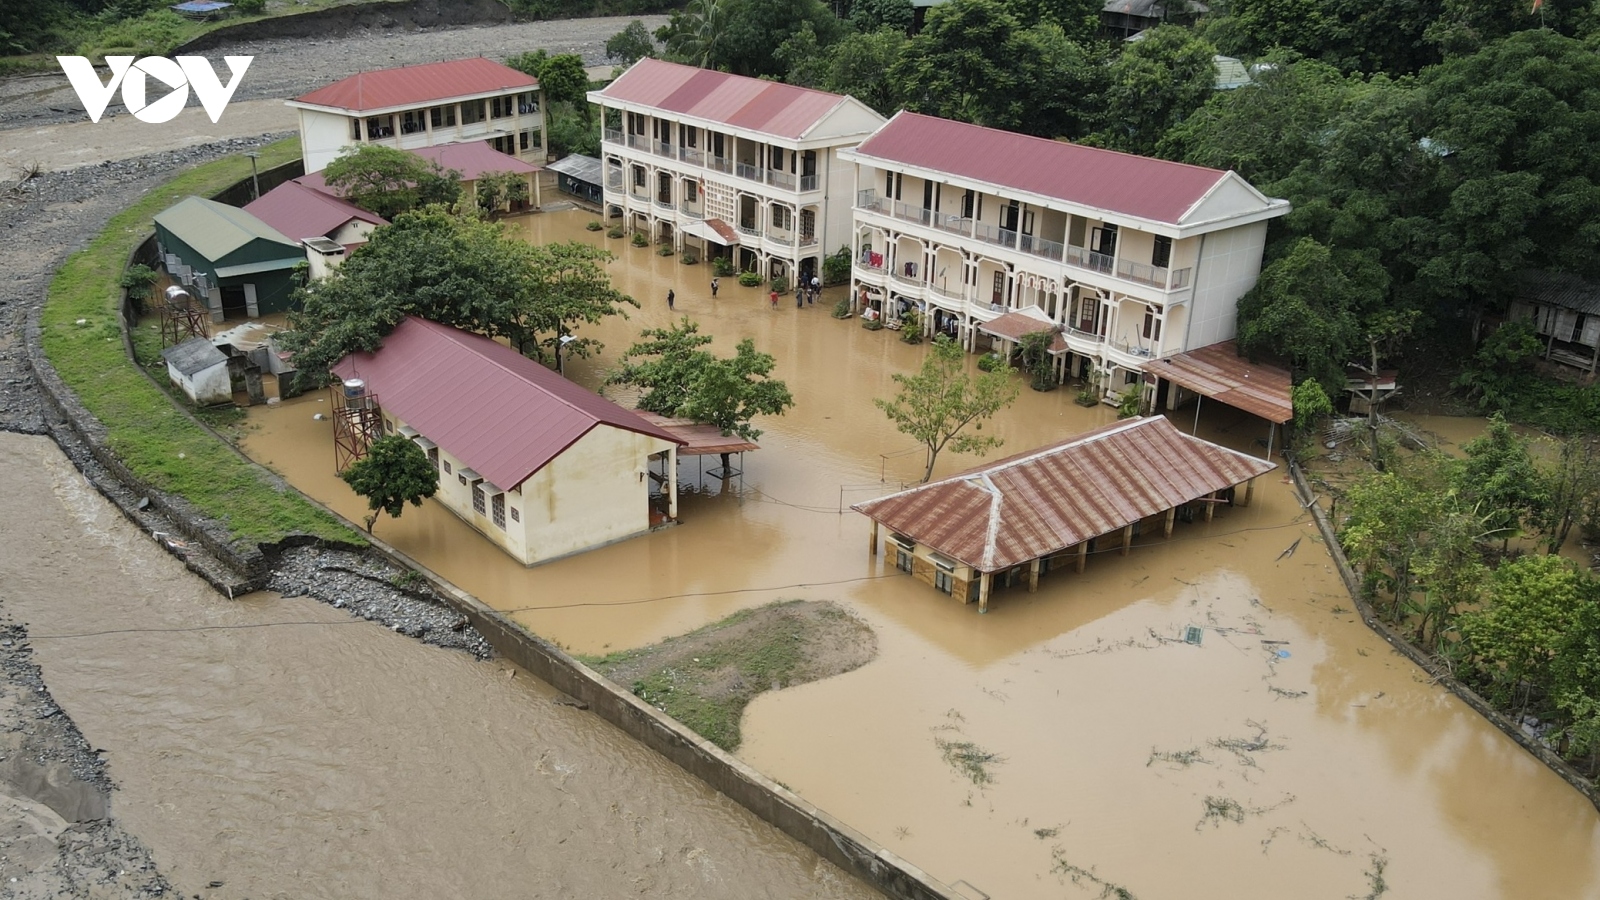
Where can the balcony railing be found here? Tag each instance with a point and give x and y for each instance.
(664, 202)
(638, 142)
(690, 211)
(1085, 258)
(1038, 246)
(747, 171)
(748, 230)
(808, 183)
(1084, 335)
(1137, 350)
(721, 163)
(613, 136)
(807, 240)
(908, 280)
(780, 179)
(870, 200)
(662, 148)
(865, 262)
(786, 238)
(692, 156)
(948, 293)
(614, 182)
(1005, 237)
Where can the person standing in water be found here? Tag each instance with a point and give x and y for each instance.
(774, 298)
(713, 285)
(670, 298)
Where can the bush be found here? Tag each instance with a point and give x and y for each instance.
(615, 232)
(250, 7)
(688, 258)
(152, 34)
(991, 361)
(836, 268)
(664, 250)
(841, 310)
(1128, 405)
(911, 327)
(594, 225)
(780, 284)
(639, 240)
(721, 266)
(872, 324)
(749, 279)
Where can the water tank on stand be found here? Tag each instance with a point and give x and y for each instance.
(355, 393)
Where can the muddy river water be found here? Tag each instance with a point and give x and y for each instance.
(275, 747)
(1289, 754)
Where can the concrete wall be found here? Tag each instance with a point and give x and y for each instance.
(1229, 265)
(596, 492)
(206, 387)
(323, 135)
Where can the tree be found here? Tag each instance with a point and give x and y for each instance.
(960, 65)
(1155, 84)
(1310, 403)
(389, 181)
(1492, 374)
(496, 190)
(1079, 20)
(564, 80)
(870, 15)
(694, 34)
(679, 377)
(1498, 474)
(459, 271)
(1533, 602)
(394, 472)
(937, 404)
(756, 28)
(1571, 489)
(1303, 309)
(859, 65)
(1058, 84)
(631, 44)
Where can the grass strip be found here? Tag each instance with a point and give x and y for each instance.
(156, 440)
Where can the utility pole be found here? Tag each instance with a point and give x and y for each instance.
(255, 180)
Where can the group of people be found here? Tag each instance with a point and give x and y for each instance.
(808, 291)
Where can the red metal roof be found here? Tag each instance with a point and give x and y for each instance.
(473, 158)
(301, 211)
(769, 107)
(699, 439)
(497, 411)
(1219, 372)
(1153, 189)
(1047, 500)
(418, 85)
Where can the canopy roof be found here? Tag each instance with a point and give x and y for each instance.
(1219, 372)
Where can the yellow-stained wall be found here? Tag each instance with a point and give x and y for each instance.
(596, 492)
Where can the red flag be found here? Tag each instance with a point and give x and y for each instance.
(1536, 5)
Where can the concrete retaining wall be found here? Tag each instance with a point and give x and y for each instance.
(1440, 672)
(829, 838)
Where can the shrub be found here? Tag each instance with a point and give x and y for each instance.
(841, 310)
(639, 240)
(250, 7)
(872, 324)
(688, 258)
(749, 279)
(616, 231)
(780, 284)
(664, 250)
(594, 225)
(911, 327)
(836, 268)
(1128, 405)
(721, 266)
(991, 361)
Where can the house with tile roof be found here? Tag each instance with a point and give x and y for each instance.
(412, 107)
(239, 265)
(327, 226)
(727, 165)
(1129, 258)
(537, 464)
(1015, 519)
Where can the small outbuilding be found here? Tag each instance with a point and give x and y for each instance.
(579, 176)
(241, 266)
(1037, 511)
(200, 370)
(1564, 310)
(328, 226)
(537, 464)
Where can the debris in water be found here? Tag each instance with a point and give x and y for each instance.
(1108, 890)
(1290, 552)
(1219, 808)
(1183, 758)
(969, 759)
(1193, 634)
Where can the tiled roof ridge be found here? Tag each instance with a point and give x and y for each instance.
(459, 337)
(734, 75)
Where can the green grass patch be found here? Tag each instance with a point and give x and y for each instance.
(145, 429)
(706, 678)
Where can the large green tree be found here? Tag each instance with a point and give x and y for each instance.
(961, 66)
(1304, 309)
(459, 271)
(389, 181)
(936, 405)
(1155, 84)
(393, 472)
(631, 44)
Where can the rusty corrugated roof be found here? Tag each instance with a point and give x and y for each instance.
(1219, 372)
(500, 413)
(1047, 500)
(698, 439)
(418, 85)
(768, 107)
(1561, 289)
(1013, 325)
(1153, 189)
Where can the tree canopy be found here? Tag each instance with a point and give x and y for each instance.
(389, 181)
(459, 271)
(393, 472)
(937, 404)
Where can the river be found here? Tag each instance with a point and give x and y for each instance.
(272, 747)
(1291, 753)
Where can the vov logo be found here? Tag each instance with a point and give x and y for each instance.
(180, 75)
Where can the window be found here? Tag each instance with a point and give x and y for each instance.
(498, 505)
(443, 116)
(501, 107)
(1577, 328)
(635, 123)
(943, 580)
(1152, 324)
(379, 127)
(781, 216)
(638, 176)
(691, 192)
(1130, 377)
(1103, 240)
(967, 204)
(515, 516)
(528, 103)
(433, 458)
(1161, 256)
(688, 136)
(446, 465)
(477, 498)
(472, 112)
(902, 559)
(355, 129)
(411, 121)
(1009, 215)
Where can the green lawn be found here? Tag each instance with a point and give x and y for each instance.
(155, 439)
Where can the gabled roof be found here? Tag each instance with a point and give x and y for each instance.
(500, 413)
(1560, 289)
(1047, 500)
(766, 107)
(417, 85)
(216, 229)
(1137, 186)
(194, 356)
(576, 165)
(305, 212)
(473, 158)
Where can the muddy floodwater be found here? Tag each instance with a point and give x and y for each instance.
(274, 747)
(1289, 753)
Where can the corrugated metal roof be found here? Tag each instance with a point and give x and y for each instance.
(583, 168)
(418, 85)
(1219, 372)
(216, 229)
(1047, 500)
(473, 158)
(194, 356)
(1561, 289)
(767, 107)
(293, 208)
(1013, 325)
(699, 440)
(494, 409)
(1139, 186)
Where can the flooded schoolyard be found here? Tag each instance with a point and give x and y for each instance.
(1289, 753)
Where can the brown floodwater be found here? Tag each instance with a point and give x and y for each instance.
(278, 747)
(1343, 754)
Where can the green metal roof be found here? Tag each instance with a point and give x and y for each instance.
(217, 229)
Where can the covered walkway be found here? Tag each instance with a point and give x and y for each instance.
(1218, 371)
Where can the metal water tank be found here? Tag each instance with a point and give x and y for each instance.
(177, 296)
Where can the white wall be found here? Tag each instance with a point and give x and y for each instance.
(206, 387)
(596, 492)
(1230, 263)
(322, 136)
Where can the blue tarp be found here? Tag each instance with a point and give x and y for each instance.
(201, 6)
